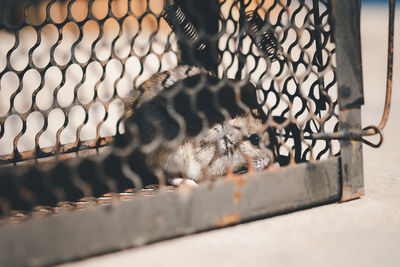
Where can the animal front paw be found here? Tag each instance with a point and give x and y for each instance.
(183, 182)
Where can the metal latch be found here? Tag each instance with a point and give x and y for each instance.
(358, 134)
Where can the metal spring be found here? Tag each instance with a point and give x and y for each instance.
(264, 39)
(180, 24)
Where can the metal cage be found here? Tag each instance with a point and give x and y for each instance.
(68, 189)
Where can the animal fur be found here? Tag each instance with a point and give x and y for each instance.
(190, 125)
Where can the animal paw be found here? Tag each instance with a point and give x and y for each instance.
(183, 182)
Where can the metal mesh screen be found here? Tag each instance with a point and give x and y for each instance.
(66, 66)
(301, 84)
(67, 70)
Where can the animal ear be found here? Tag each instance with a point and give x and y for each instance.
(255, 112)
(248, 94)
(228, 100)
(258, 113)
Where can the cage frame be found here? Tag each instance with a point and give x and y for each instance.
(236, 199)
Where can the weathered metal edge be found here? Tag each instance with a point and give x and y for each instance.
(168, 214)
(346, 15)
(351, 157)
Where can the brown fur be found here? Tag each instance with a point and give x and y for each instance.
(212, 152)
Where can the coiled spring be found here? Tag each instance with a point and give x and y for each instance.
(264, 39)
(181, 25)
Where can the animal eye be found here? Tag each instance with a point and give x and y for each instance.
(254, 139)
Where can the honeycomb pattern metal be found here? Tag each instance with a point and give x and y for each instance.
(67, 66)
(302, 85)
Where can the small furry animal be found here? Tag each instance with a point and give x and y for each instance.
(190, 125)
(233, 144)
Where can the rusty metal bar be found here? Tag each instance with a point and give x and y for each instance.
(356, 134)
(100, 229)
(346, 15)
(389, 78)
(348, 53)
(53, 154)
(353, 134)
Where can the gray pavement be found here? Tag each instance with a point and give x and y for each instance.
(363, 232)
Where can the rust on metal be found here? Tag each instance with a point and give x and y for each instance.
(238, 181)
(354, 134)
(389, 78)
(349, 194)
(236, 197)
(63, 152)
(357, 134)
(228, 219)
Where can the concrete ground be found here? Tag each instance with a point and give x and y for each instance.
(364, 232)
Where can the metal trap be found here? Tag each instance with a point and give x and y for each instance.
(110, 109)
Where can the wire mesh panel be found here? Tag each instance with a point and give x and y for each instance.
(66, 66)
(256, 80)
(69, 65)
(299, 84)
(107, 101)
